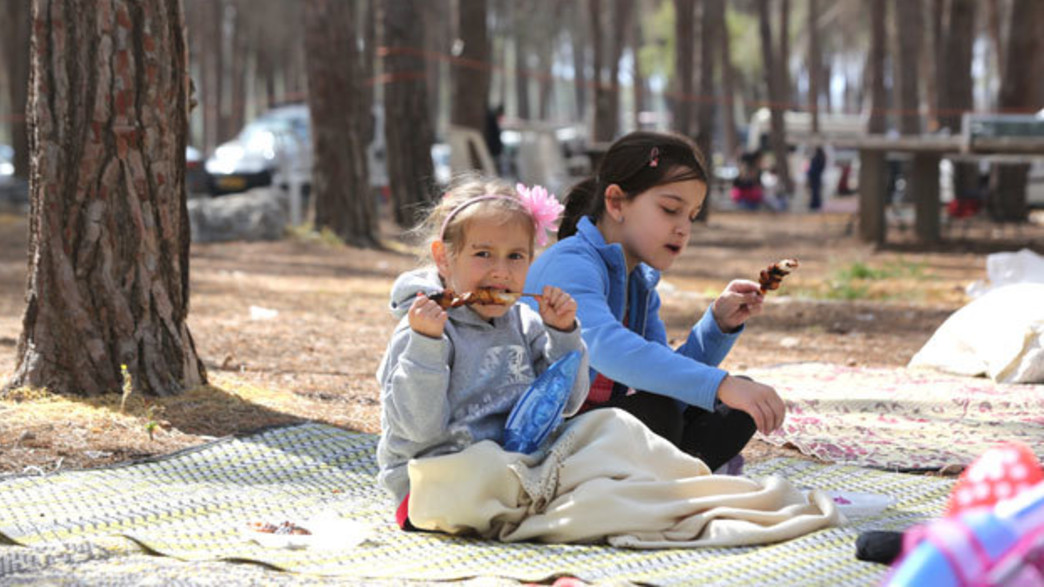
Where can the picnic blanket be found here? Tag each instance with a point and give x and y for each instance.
(606, 477)
(191, 507)
(900, 419)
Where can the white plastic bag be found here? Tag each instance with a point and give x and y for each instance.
(1000, 334)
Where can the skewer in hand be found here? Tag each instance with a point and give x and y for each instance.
(772, 276)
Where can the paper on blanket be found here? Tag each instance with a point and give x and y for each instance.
(328, 531)
(607, 478)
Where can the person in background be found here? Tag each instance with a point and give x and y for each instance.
(747, 191)
(816, 167)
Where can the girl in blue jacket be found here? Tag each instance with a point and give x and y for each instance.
(620, 229)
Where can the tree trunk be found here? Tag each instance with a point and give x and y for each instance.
(783, 90)
(684, 46)
(815, 64)
(439, 32)
(471, 72)
(708, 57)
(637, 41)
(367, 67)
(577, 37)
(621, 15)
(777, 102)
(109, 232)
(706, 107)
(956, 96)
(1019, 92)
(993, 25)
(732, 144)
(238, 69)
(603, 129)
(877, 124)
(408, 129)
(340, 180)
(521, 64)
(14, 47)
(907, 60)
(936, 81)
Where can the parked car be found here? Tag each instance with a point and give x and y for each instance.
(275, 148)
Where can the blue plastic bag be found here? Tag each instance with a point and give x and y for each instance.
(539, 411)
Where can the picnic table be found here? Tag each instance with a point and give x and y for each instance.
(1003, 138)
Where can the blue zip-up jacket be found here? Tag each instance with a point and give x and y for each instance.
(636, 355)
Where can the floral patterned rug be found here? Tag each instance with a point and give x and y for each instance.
(900, 419)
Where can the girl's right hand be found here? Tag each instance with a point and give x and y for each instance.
(757, 399)
(427, 317)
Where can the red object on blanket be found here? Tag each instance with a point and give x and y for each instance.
(1000, 473)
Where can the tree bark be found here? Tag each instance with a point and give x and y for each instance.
(1019, 92)
(603, 127)
(815, 63)
(15, 50)
(908, 56)
(522, 105)
(578, 39)
(408, 128)
(109, 232)
(993, 25)
(340, 179)
(707, 106)
(471, 72)
(621, 15)
(732, 144)
(637, 41)
(935, 81)
(877, 123)
(684, 57)
(367, 68)
(955, 97)
(777, 102)
(238, 67)
(708, 57)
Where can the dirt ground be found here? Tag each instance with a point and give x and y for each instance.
(293, 330)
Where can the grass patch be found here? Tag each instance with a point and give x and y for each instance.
(895, 280)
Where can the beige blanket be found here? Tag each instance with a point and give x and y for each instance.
(606, 477)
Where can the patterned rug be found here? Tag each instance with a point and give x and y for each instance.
(192, 506)
(900, 419)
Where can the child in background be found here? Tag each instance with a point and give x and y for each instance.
(621, 228)
(450, 378)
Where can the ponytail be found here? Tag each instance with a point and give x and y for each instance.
(577, 205)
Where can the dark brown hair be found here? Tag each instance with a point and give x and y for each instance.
(636, 162)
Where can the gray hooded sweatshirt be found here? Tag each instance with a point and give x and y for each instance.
(441, 395)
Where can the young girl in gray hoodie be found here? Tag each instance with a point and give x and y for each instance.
(450, 377)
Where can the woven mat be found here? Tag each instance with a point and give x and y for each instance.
(192, 506)
(900, 419)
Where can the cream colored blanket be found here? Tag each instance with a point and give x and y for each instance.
(607, 478)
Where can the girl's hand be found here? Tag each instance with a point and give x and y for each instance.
(740, 300)
(757, 399)
(558, 309)
(427, 317)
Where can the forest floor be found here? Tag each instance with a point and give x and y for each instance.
(293, 330)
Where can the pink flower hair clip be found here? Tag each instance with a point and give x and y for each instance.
(654, 157)
(543, 206)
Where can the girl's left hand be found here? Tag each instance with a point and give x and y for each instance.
(558, 309)
(740, 300)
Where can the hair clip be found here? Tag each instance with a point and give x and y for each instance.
(654, 157)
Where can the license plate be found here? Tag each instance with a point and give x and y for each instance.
(232, 182)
